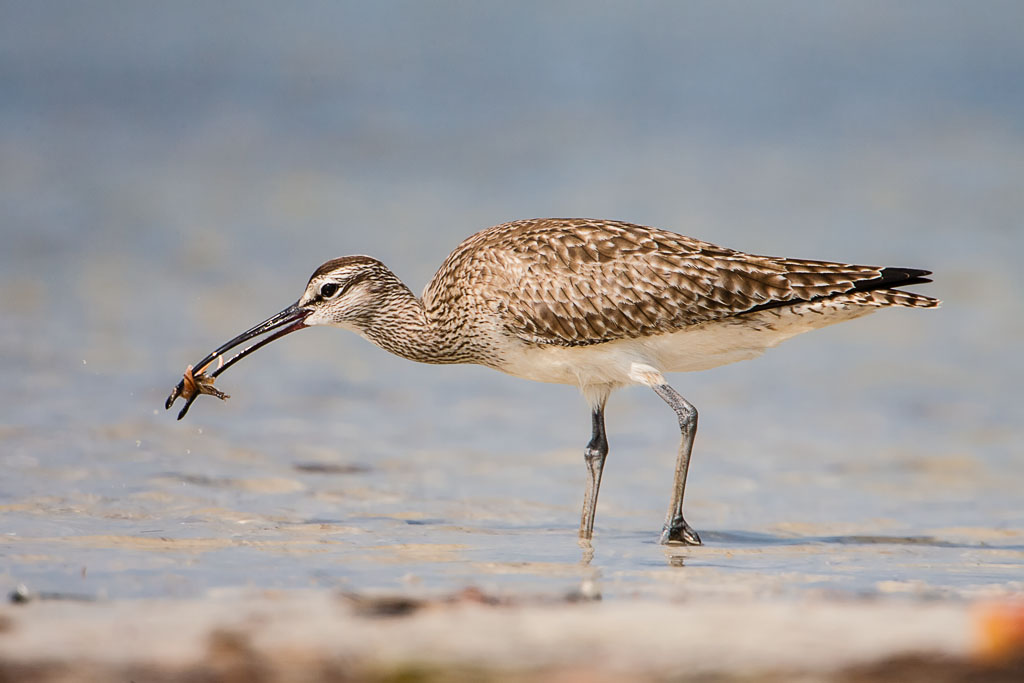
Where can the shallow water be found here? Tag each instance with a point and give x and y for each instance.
(169, 177)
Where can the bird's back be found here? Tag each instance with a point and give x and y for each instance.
(578, 282)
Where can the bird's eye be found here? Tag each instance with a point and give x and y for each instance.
(329, 290)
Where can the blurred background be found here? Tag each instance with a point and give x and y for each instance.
(171, 173)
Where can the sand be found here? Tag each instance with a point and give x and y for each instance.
(318, 635)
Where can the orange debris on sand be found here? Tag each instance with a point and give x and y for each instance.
(1000, 631)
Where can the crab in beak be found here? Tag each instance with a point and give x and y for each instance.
(196, 382)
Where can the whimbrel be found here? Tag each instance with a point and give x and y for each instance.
(594, 303)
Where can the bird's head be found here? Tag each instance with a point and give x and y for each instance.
(347, 292)
(344, 292)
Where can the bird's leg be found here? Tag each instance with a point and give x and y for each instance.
(594, 456)
(676, 530)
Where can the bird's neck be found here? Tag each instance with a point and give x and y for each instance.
(401, 325)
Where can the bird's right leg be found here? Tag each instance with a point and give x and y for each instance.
(676, 530)
(594, 456)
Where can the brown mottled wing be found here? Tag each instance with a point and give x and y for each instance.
(575, 282)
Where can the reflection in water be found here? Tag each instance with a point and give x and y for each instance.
(587, 546)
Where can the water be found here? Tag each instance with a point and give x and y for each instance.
(170, 175)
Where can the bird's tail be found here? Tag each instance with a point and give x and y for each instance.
(897, 297)
(884, 292)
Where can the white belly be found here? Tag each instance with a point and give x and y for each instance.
(701, 347)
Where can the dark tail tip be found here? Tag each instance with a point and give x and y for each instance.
(894, 277)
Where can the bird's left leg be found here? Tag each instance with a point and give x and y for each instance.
(594, 456)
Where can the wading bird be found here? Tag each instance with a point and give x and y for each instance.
(594, 303)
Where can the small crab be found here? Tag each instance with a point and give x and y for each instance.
(195, 384)
(202, 384)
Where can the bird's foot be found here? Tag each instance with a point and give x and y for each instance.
(678, 532)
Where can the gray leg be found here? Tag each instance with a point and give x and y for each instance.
(676, 530)
(594, 455)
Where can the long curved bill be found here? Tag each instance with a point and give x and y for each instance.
(287, 321)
